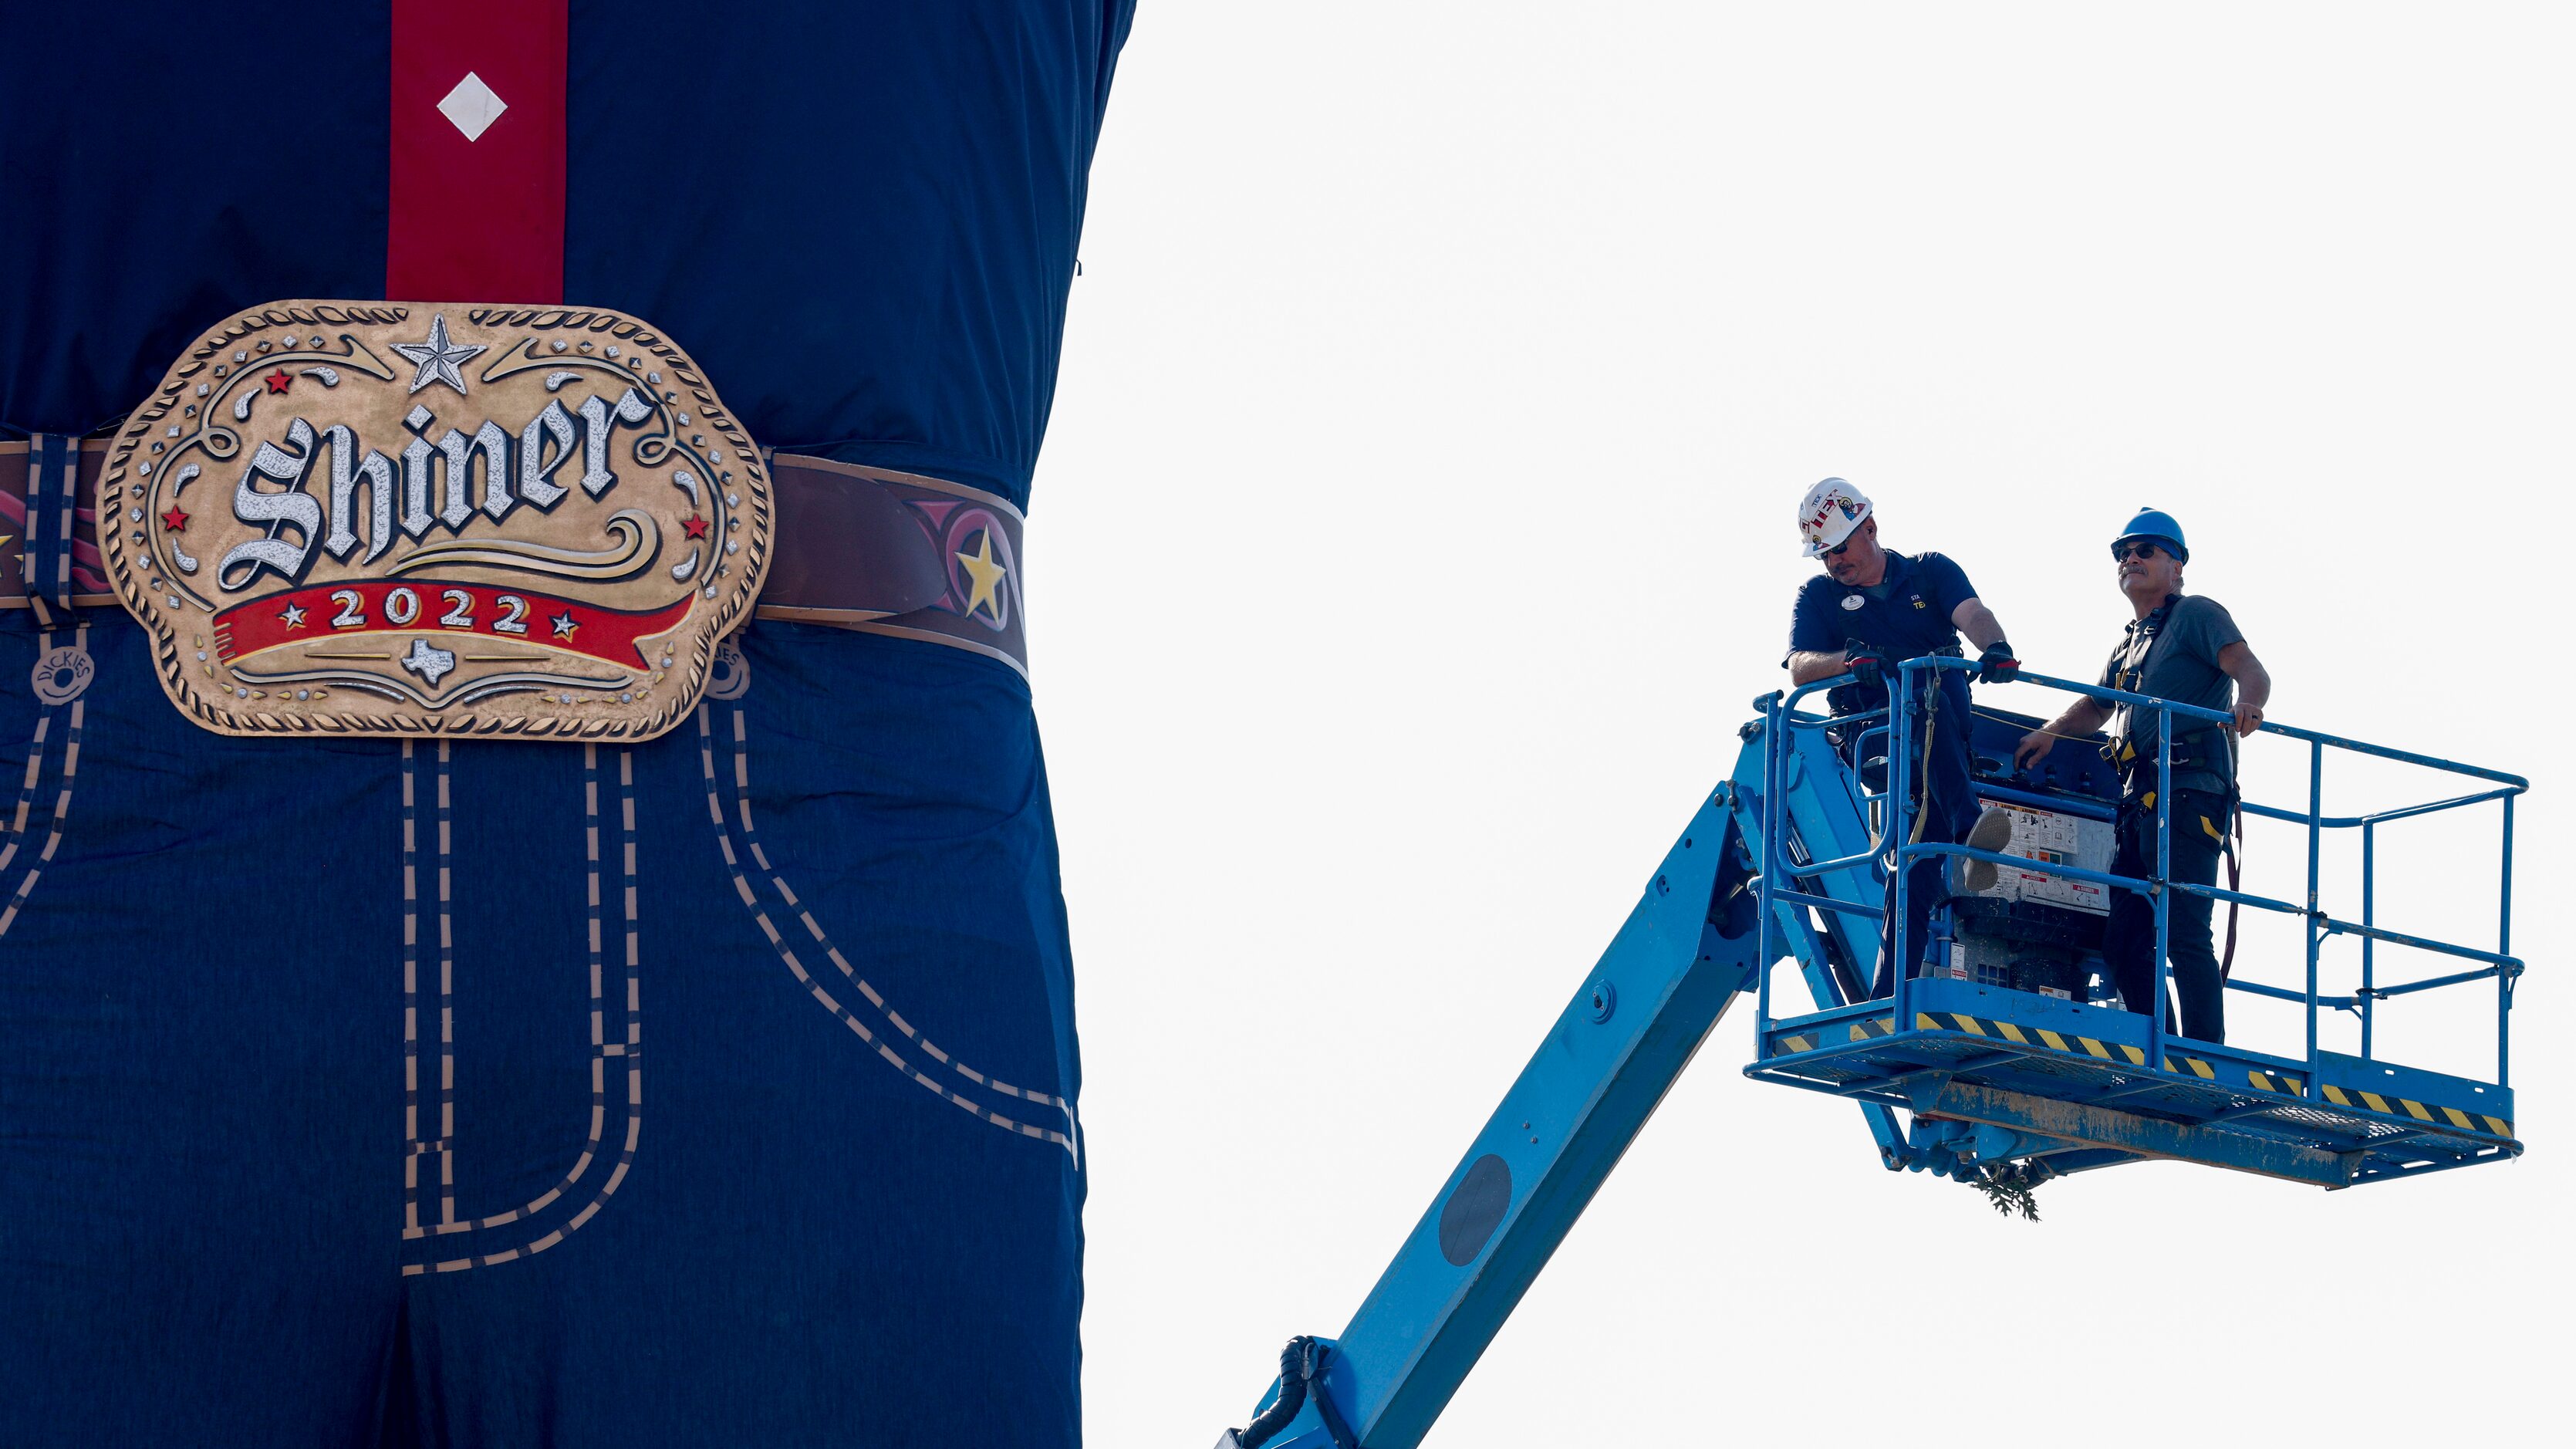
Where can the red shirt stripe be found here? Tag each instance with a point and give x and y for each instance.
(476, 204)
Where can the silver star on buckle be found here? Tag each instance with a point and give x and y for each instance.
(437, 357)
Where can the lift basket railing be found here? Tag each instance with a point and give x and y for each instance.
(1892, 808)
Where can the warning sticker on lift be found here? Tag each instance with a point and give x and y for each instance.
(2055, 838)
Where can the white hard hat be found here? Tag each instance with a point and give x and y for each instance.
(1828, 514)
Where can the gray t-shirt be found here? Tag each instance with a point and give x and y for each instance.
(2173, 654)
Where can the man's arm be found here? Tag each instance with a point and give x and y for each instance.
(1806, 666)
(1995, 661)
(1816, 638)
(2079, 721)
(1978, 622)
(2253, 684)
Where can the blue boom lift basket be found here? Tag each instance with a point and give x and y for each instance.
(2000, 1083)
(1993, 1074)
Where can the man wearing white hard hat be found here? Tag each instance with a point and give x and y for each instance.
(2186, 648)
(1869, 610)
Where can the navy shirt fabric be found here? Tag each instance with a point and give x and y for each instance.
(828, 1186)
(859, 218)
(2173, 654)
(1906, 613)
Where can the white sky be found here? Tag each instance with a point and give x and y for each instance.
(1416, 526)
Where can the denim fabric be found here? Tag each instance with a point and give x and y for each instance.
(2198, 822)
(216, 1131)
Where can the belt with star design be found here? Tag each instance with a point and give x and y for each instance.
(861, 548)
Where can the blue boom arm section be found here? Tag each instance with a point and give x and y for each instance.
(1686, 952)
(1823, 817)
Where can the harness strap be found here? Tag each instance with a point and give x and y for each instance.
(2233, 845)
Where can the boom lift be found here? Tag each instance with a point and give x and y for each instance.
(2001, 1065)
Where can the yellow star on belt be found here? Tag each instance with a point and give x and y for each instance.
(987, 575)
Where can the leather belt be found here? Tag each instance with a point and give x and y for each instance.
(869, 549)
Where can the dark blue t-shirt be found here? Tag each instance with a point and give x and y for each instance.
(1906, 613)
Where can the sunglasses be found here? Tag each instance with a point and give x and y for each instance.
(1838, 550)
(2123, 552)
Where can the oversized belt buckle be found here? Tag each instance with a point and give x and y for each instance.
(415, 519)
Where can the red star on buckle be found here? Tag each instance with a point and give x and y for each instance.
(278, 381)
(175, 521)
(694, 526)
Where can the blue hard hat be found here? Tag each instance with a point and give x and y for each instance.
(2158, 527)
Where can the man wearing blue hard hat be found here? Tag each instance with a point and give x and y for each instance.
(1871, 609)
(2185, 648)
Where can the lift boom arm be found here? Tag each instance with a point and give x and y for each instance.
(1609, 1058)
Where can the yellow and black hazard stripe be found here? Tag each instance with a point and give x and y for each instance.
(2219, 1074)
(2279, 1082)
(1852, 1031)
(2439, 1116)
(2069, 1043)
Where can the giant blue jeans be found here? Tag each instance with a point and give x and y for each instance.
(712, 1090)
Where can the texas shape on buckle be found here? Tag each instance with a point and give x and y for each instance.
(417, 519)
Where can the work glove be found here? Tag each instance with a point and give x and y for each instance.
(1997, 665)
(1868, 663)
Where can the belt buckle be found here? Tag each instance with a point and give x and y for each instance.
(406, 519)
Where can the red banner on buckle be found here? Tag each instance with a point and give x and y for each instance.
(379, 606)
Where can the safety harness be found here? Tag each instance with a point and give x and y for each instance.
(2205, 747)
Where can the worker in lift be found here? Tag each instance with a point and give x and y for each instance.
(2185, 648)
(1871, 609)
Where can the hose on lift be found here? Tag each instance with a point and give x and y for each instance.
(1300, 1364)
(1923, 786)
